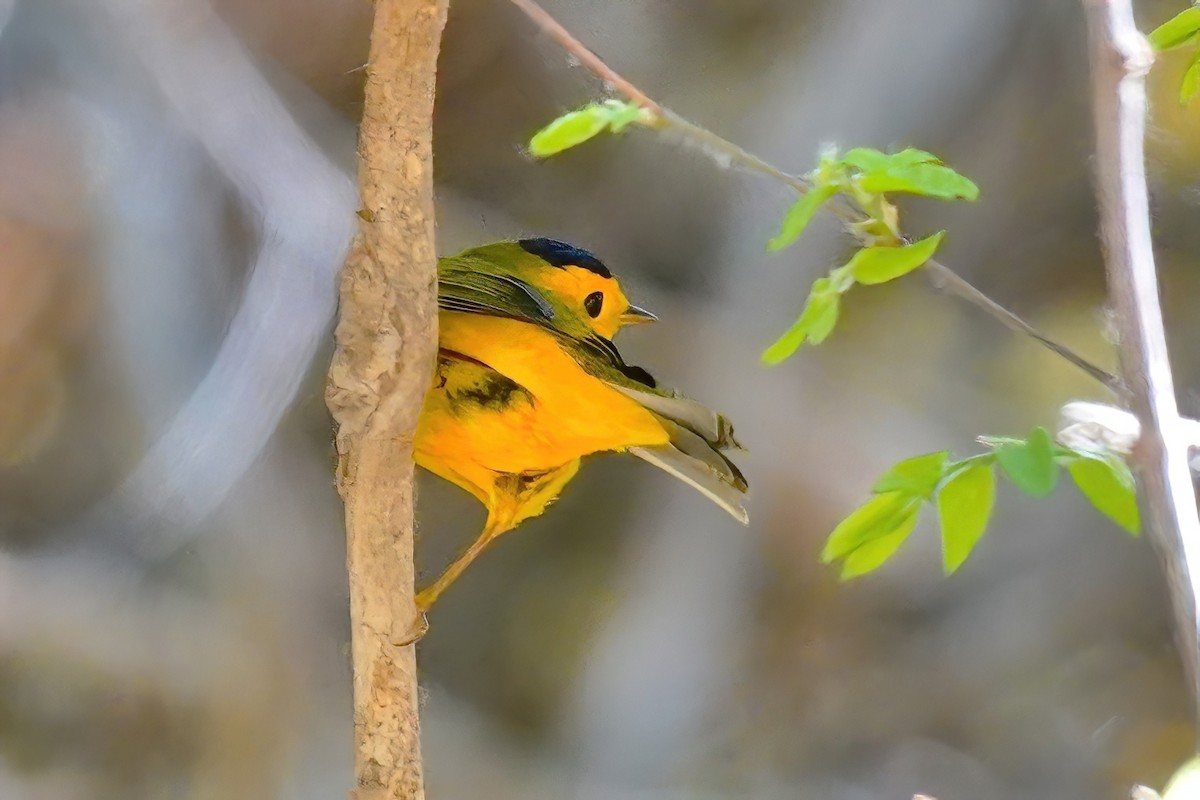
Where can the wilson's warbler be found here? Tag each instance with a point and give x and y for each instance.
(528, 381)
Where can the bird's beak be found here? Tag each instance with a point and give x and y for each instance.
(637, 316)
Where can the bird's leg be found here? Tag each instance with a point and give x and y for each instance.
(519, 498)
(416, 631)
(427, 596)
(538, 492)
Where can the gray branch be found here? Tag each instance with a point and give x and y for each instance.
(1120, 57)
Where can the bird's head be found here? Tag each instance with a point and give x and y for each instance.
(579, 279)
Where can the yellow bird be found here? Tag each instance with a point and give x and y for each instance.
(528, 382)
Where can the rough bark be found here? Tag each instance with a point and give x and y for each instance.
(386, 342)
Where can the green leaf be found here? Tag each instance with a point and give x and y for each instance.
(929, 180)
(816, 322)
(787, 344)
(570, 130)
(1190, 85)
(800, 214)
(964, 507)
(1178, 30)
(1106, 481)
(825, 317)
(871, 555)
(621, 114)
(911, 155)
(576, 127)
(1030, 464)
(866, 159)
(873, 265)
(875, 518)
(916, 477)
(841, 279)
(911, 170)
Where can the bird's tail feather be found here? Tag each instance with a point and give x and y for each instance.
(697, 473)
(697, 447)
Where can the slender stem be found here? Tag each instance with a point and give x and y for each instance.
(1120, 57)
(945, 279)
(586, 57)
(724, 151)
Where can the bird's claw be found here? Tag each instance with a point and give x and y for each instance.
(416, 631)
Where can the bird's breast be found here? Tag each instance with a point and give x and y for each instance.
(508, 397)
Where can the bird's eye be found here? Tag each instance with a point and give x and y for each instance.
(593, 303)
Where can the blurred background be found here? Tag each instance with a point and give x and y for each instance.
(176, 190)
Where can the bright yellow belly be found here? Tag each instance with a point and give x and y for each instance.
(565, 414)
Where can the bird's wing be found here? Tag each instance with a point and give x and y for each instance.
(600, 358)
(697, 433)
(461, 288)
(713, 428)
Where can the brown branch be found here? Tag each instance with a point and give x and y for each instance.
(1120, 58)
(724, 151)
(945, 279)
(386, 342)
(586, 57)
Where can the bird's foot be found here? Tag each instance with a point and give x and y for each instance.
(418, 629)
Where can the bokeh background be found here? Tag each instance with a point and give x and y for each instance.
(634, 642)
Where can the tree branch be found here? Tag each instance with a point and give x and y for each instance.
(724, 151)
(1120, 58)
(386, 342)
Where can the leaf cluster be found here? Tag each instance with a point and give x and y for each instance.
(864, 177)
(964, 493)
(870, 265)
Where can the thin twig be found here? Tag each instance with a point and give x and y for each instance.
(586, 57)
(945, 279)
(724, 151)
(1120, 57)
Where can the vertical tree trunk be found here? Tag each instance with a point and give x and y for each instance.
(386, 342)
